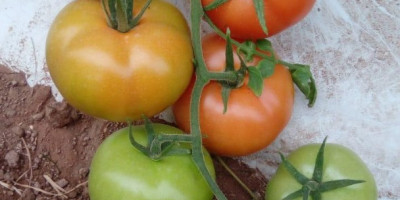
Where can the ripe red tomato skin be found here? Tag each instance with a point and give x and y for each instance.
(339, 163)
(240, 16)
(250, 123)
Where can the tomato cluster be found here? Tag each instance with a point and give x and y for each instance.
(250, 123)
(118, 60)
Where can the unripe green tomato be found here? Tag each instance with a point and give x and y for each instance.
(121, 172)
(339, 163)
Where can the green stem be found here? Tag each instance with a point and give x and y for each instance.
(230, 76)
(201, 80)
(119, 14)
(236, 43)
(123, 18)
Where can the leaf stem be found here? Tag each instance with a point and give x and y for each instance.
(202, 79)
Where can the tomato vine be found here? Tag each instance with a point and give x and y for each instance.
(119, 15)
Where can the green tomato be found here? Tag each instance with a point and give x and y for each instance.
(339, 163)
(121, 172)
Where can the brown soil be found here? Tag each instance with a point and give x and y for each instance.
(46, 147)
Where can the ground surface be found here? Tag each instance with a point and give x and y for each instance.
(46, 147)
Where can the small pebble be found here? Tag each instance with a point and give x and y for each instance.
(12, 158)
(62, 183)
(38, 116)
(20, 132)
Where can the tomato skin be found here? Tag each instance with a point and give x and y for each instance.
(241, 18)
(113, 75)
(119, 171)
(250, 123)
(339, 163)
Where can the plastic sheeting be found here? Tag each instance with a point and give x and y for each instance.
(352, 46)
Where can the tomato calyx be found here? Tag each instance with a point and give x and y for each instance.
(160, 145)
(301, 74)
(120, 14)
(228, 85)
(314, 187)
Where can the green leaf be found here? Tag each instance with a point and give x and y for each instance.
(264, 45)
(214, 4)
(266, 68)
(256, 81)
(303, 79)
(259, 6)
(312, 96)
(225, 96)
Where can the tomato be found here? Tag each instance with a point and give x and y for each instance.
(114, 75)
(241, 18)
(251, 123)
(339, 163)
(120, 171)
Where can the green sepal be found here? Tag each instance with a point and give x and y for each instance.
(137, 18)
(229, 61)
(160, 145)
(319, 163)
(294, 195)
(225, 96)
(214, 4)
(119, 14)
(259, 6)
(332, 185)
(299, 177)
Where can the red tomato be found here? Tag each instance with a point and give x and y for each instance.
(251, 123)
(241, 18)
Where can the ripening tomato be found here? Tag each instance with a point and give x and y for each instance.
(241, 18)
(121, 172)
(251, 123)
(114, 75)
